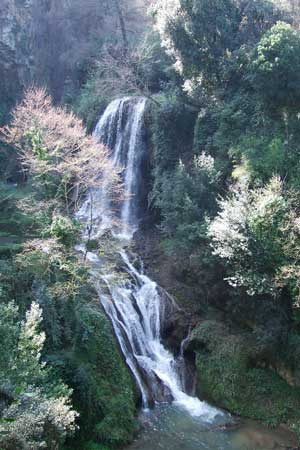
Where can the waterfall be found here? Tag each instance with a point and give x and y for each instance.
(121, 130)
(135, 304)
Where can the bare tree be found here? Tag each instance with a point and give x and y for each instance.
(56, 151)
(120, 73)
(81, 27)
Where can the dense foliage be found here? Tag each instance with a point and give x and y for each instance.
(60, 368)
(257, 232)
(248, 124)
(38, 412)
(236, 101)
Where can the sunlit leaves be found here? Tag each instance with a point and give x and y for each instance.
(276, 67)
(257, 233)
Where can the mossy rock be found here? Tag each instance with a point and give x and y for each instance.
(230, 374)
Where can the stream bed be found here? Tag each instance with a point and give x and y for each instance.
(169, 427)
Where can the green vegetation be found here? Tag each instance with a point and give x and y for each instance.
(61, 373)
(237, 104)
(233, 373)
(256, 231)
(246, 127)
(279, 46)
(223, 82)
(184, 197)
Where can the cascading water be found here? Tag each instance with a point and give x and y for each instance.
(138, 309)
(121, 130)
(134, 305)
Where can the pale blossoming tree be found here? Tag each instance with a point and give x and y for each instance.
(63, 161)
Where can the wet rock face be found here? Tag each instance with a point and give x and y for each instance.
(15, 34)
(176, 329)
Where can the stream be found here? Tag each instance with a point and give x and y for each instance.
(168, 427)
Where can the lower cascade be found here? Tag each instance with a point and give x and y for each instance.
(136, 306)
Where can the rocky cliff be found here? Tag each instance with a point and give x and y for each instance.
(55, 42)
(15, 55)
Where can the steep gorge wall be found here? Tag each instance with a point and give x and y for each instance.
(32, 39)
(55, 42)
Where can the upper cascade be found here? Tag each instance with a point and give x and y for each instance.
(137, 307)
(121, 129)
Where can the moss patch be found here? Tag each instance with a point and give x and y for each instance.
(229, 374)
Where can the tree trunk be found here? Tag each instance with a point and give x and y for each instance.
(120, 14)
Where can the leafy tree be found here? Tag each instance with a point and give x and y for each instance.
(187, 195)
(172, 133)
(14, 222)
(30, 345)
(257, 233)
(37, 412)
(276, 66)
(36, 422)
(202, 36)
(65, 230)
(9, 332)
(197, 33)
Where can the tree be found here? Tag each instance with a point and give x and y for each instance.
(257, 233)
(186, 196)
(9, 332)
(202, 35)
(38, 412)
(55, 151)
(276, 66)
(30, 345)
(197, 33)
(36, 422)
